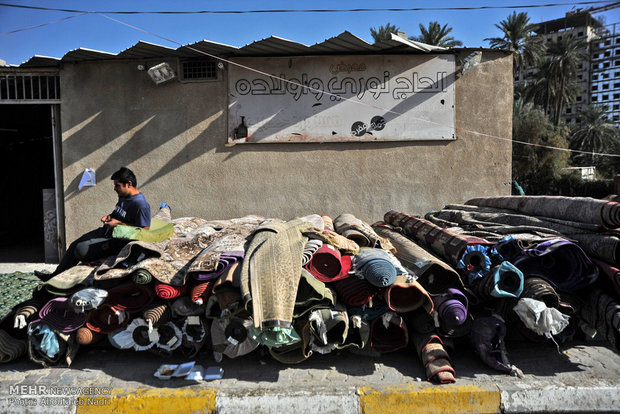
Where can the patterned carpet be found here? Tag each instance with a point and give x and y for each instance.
(15, 288)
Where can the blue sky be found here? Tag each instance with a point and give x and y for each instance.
(94, 31)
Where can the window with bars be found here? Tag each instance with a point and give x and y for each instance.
(29, 87)
(199, 70)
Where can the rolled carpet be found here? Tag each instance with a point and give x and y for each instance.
(85, 336)
(130, 297)
(184, 306)
(170, 337)
(432, 273)
(230, 337)
(201, 291)
(106, 319)
(142, 277)
(87, 299)
(28, 308)
(388, 333)
(602, 312)
(452, 308)
(58, 314)
(435, 359)
(11, 348)
(406, 295)
(225, 260)
(475, 262)
(226, 287)
(561, 262)
(448, 245)
(504, 281)
(312, 245)
(136, 335)
(361, 233)
(375, 266)
(158, 313)
(329, 222)
(420, 321)
(327, 265)
(166, 291)
(578, 209)
(354, 291)
(296, 352)
(329, 328)
(612, 273)
(312, 294)
(540, 289)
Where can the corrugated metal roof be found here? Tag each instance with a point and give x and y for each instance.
(212, 48)
(80, 54)
(38, 61)
(344, 43)
(272, 46)
(146, 50)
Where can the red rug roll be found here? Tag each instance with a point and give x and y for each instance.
(165, 291)
(201, 291)
(354, 291)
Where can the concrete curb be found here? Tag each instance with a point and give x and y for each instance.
(409, 398)
(400, 398)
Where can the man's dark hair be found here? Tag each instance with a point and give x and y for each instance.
(125, 175)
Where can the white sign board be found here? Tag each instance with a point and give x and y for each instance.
(341, 98)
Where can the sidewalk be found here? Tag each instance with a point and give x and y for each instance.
(584, 378)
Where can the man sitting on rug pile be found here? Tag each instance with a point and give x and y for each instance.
(132, 209)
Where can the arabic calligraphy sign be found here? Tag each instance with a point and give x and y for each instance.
(342, 98)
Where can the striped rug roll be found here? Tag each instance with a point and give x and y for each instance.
(540, 289)
(85, 336)
(354, 291)
(157, 313)
(329, 222)
(28, 308)
(165, 291)
(201, 291)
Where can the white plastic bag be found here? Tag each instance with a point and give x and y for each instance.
(539, 318)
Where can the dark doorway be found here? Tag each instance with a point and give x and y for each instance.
(26, 168)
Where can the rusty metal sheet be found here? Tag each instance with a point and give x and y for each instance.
(341, 98)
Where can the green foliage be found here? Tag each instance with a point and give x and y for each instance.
(596, 134)
(383, 32)
(534, 166)
(571, 185)
(436, 35)
(518, 37)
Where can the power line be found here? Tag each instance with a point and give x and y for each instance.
(521, 6)
(42, 24)
(349, 99)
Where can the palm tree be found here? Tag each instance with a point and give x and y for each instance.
(545, 91)
(436, 35)
(383, 32)
(596, 133)
(519, 38)
(565, 56)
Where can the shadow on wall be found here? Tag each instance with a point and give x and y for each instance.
(147, 132)
(125, 135)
